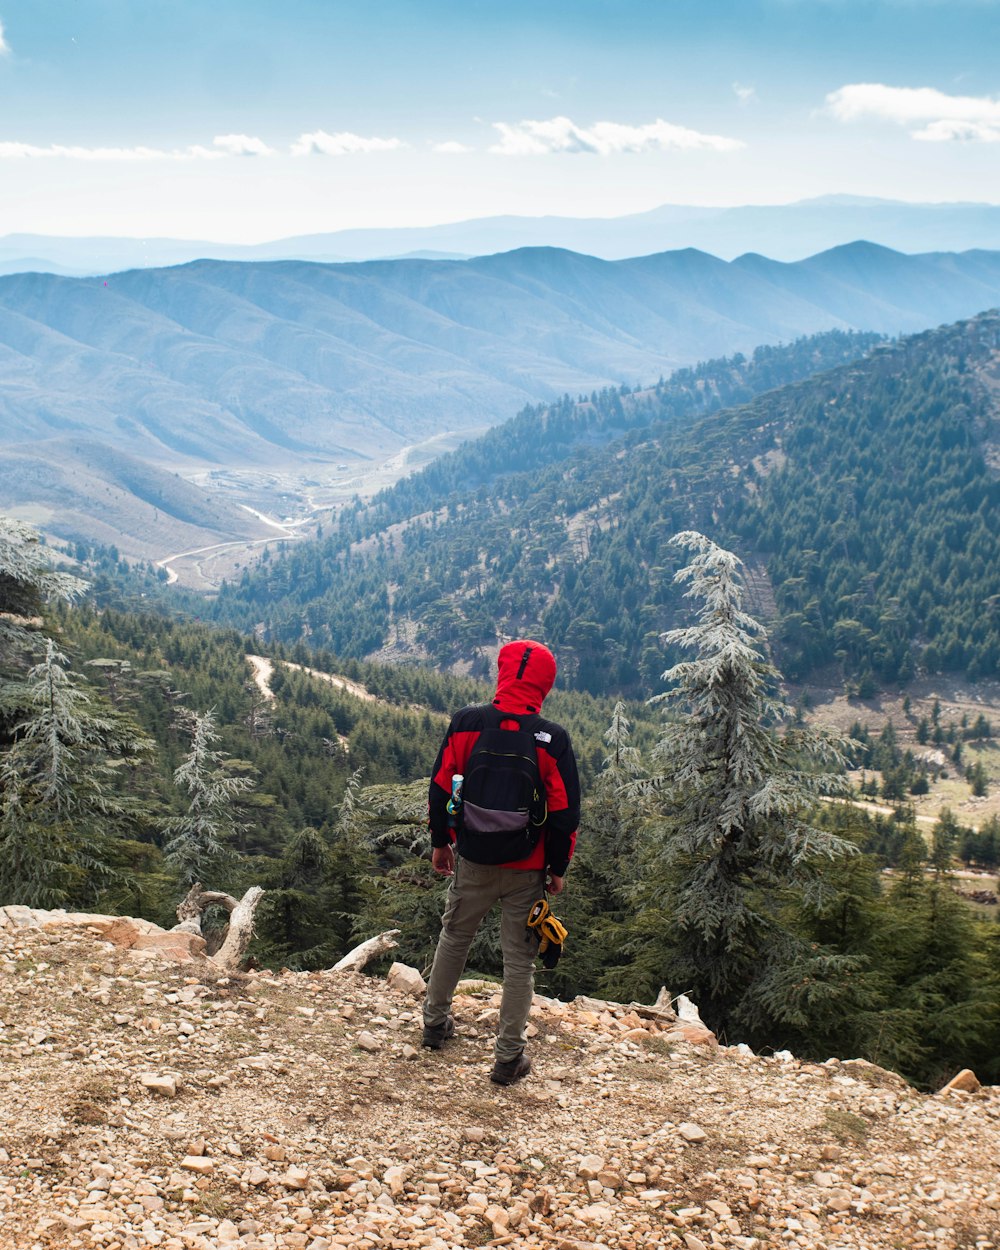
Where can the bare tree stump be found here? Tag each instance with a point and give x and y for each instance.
(241, 912)
(361, 955)
(233, 949)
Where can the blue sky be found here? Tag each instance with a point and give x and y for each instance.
(244, 121)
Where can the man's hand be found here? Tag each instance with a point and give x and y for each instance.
(443, 860)
(555, 884)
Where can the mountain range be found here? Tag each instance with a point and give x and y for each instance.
(782, 231)
(299, 365)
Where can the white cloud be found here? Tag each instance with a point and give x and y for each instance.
(945, 117)
(319, 143)
(4, 45)
(744, 94)
(560, 134)
(242, 145)
(451, 147)
(949, 130)
(11, 150)
(222, 146)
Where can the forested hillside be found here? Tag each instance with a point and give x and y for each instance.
(334, 592)
(118, 730)
(864, 501)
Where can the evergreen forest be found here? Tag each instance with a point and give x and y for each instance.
(140, 753)
(863, 499)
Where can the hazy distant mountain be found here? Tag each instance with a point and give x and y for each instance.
(38, 264)
(223, 364)
(782, 231)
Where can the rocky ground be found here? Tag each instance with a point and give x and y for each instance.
(150, 1101)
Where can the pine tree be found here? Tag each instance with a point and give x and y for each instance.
(611, 814)
(736, 849)
(316, 892)
(60, 810)
(294, 923)
(199, 843)
(27, 583)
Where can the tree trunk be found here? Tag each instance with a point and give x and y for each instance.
(233, 949)
(361, 955)
(240, 929)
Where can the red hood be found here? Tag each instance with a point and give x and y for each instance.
(527, 671)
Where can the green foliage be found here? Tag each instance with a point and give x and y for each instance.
(866, 952)
(732, 833)
(880, 529)
(71, 768)
(61, 806)
(981, 848)
(540, 527)
(27, 583)
(199, 843)
(977, 778)
(861, 498)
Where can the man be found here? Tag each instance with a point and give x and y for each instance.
(465, 849)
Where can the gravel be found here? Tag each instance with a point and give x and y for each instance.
(145, 1102)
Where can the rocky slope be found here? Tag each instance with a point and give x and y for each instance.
(147, 1098)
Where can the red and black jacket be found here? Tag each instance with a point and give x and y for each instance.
(527, 671)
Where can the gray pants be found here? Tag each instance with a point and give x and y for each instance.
(473, 891)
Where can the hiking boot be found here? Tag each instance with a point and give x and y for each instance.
(511, 1071)
(435, 1035)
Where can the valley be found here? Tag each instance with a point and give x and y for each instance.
(292, 503)
(855, 478)
(558, 522)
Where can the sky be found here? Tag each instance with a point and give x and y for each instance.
(248, 120)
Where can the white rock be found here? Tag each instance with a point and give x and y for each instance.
(692, 1132)
(199, 1164)
(590, 1166)
(164, 1086)
(295, 1178)
(596, 1213)
(406, 979)
(395, 1178)
(686, 1010)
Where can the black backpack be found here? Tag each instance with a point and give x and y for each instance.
(503, 799)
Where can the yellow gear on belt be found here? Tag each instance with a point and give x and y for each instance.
(546, 927)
